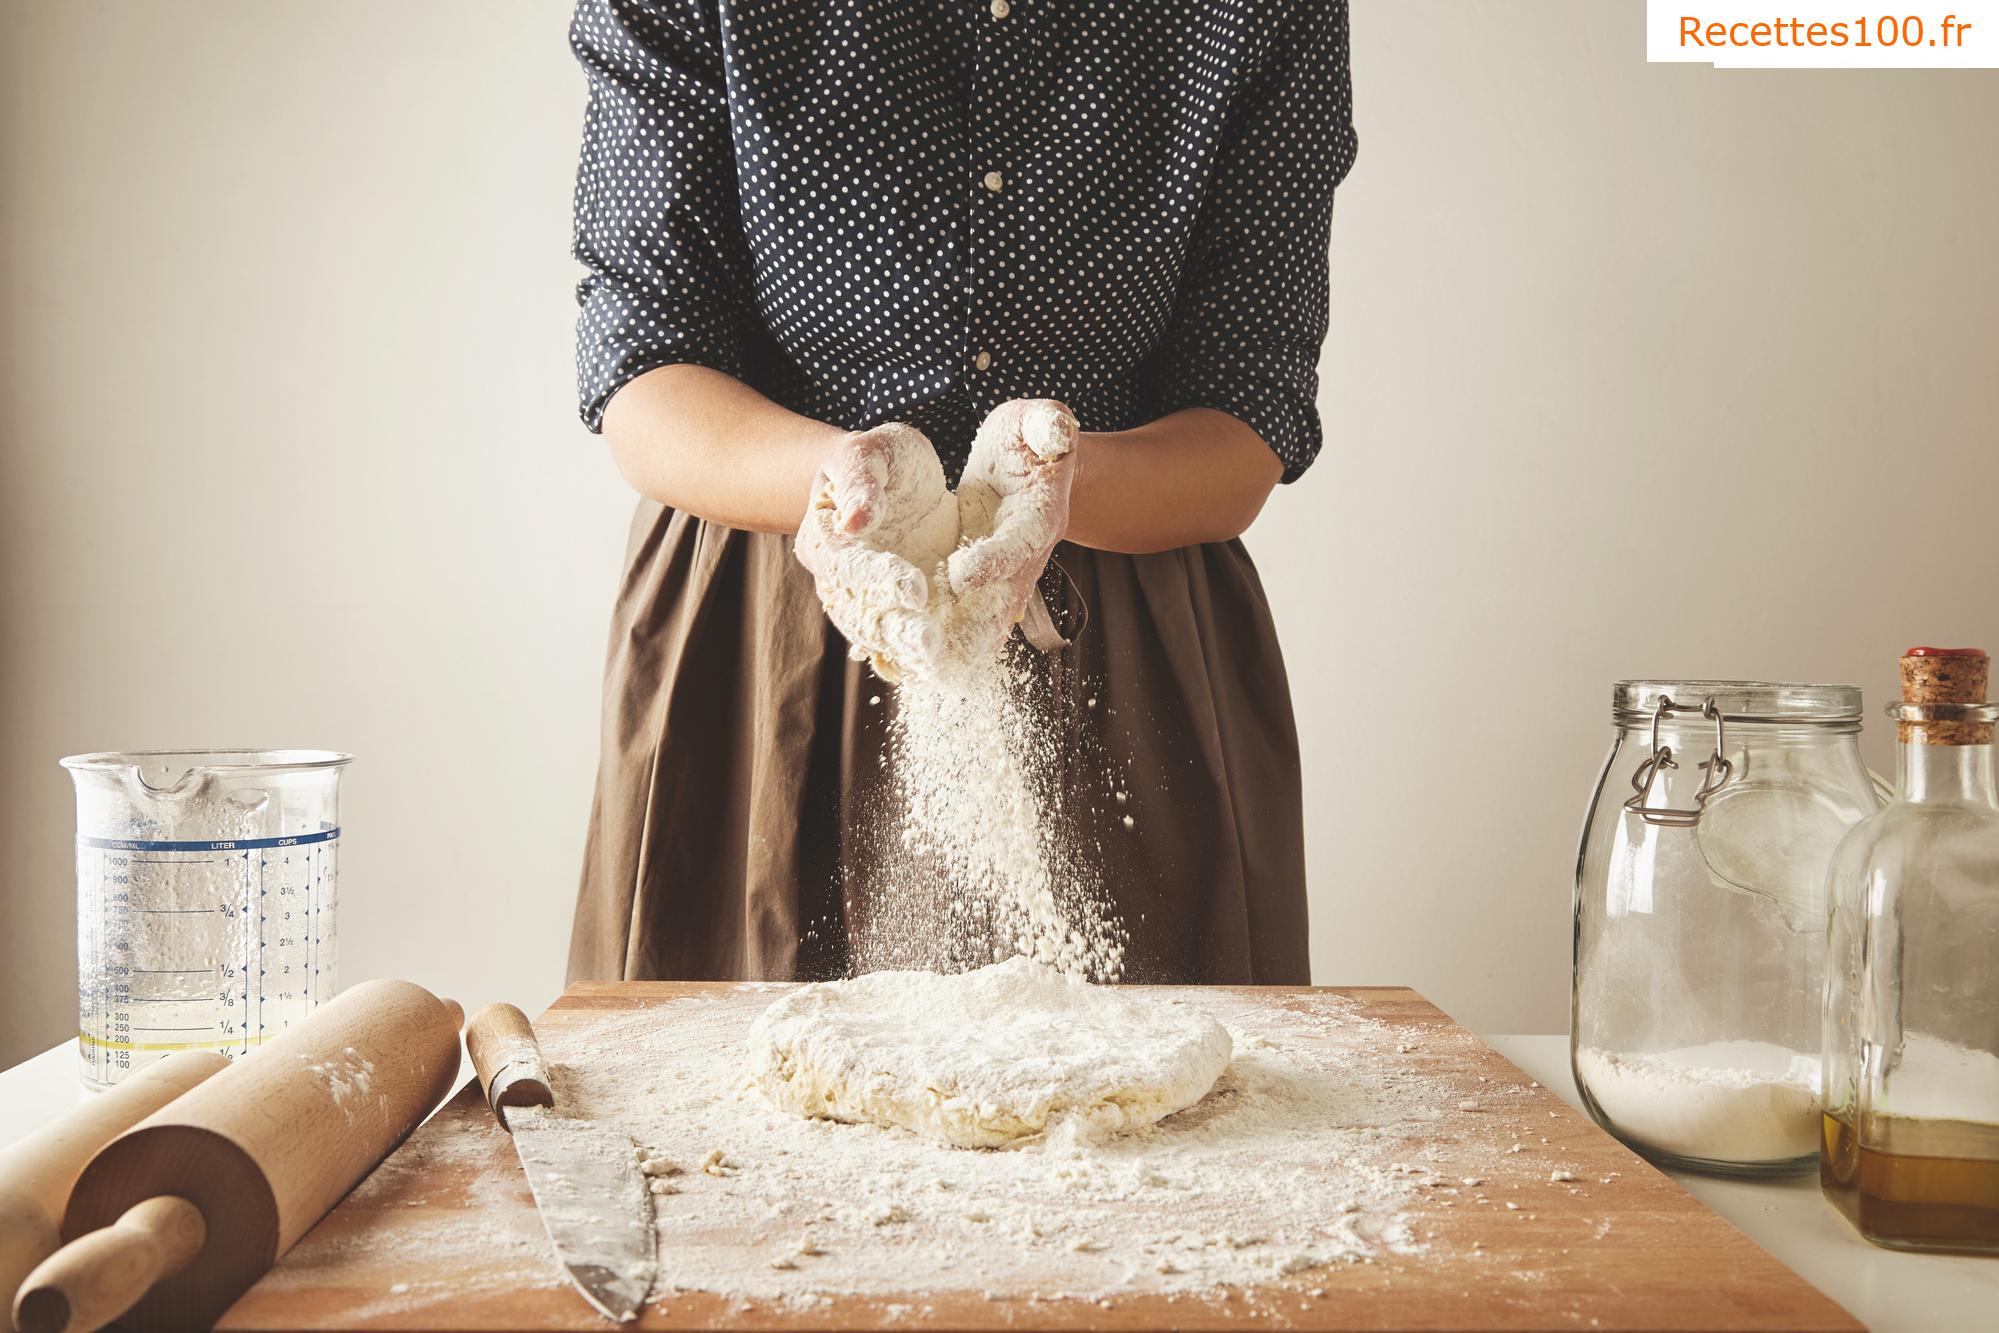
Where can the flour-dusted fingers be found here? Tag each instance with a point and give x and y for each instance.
(885, 483)
(1025, 525)
(814, 544)
(887, 636)
(906, 639)
(875, 598)
(849, 565)
(1047, 427)
(855, 479)
(1014, 438)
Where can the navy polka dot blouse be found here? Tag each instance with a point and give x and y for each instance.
(914, 210)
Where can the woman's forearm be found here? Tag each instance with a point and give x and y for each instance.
(704, 442)
(697, 440)
(1192, 476)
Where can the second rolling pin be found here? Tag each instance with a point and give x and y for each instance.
(175, 1219)
(36, 1173)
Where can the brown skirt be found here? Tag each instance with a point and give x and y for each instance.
(741, 774)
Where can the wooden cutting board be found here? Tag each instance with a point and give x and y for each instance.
(1624, 1249)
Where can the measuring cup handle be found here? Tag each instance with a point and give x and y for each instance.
(508, 1059)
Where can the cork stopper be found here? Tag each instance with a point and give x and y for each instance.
(1945, 676)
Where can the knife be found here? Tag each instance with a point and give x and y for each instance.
(593, 1198)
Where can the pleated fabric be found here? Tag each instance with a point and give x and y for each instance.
(744, 791)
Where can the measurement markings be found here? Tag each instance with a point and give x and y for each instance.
(170, 971)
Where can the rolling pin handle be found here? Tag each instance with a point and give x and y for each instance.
(98, 1277)
(504, 1051)
(38, 1172)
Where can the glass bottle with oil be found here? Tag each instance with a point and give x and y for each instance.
(1910, 1151)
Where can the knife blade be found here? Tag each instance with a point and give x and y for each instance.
(594, 1200)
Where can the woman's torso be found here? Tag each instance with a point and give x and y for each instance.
(892, 282)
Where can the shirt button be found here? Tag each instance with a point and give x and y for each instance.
(995, 182)
(1001, 9)
(982, 361)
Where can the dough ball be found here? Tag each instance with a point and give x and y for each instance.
(983, 1059)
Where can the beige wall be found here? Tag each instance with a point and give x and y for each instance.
(1633, 370)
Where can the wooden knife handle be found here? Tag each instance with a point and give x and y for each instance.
(99, 1276)
(502, 1044)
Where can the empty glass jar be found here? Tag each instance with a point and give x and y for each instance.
(1700, 917)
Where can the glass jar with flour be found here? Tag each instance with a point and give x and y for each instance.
(1700, 917)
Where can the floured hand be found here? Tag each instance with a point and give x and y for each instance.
(879, 524)
(1013, 504)
(918, 579)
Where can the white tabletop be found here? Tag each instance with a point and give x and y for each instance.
(1887, 1290)
(1884, 1289)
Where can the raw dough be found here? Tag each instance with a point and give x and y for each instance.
(984, 1058)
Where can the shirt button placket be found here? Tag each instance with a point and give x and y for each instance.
(993, 66)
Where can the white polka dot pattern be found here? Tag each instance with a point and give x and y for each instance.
(877, 210)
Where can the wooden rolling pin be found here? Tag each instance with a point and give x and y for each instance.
(174, 1219)
(37, 1173)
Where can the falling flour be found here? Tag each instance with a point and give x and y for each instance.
(1732, 1101)
(973, 866)
(968, 863)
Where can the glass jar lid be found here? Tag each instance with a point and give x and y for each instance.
(1749, 701)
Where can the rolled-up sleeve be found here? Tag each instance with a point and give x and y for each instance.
(658, 226)
(1251, 314)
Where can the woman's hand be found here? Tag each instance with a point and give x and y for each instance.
(1013, 504)
(887, 488)
(879, 522)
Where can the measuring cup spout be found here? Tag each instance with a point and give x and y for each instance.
(164, 781)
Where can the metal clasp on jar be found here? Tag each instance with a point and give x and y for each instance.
(1715, 768)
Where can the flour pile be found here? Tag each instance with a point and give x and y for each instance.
(986, 1058)
(1728, 1101)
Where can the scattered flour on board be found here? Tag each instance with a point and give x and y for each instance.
(1289, 1164)
(1307, 1154)
(462, 1208)
(1331, 1144)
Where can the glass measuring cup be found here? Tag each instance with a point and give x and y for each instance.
(206, 882)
